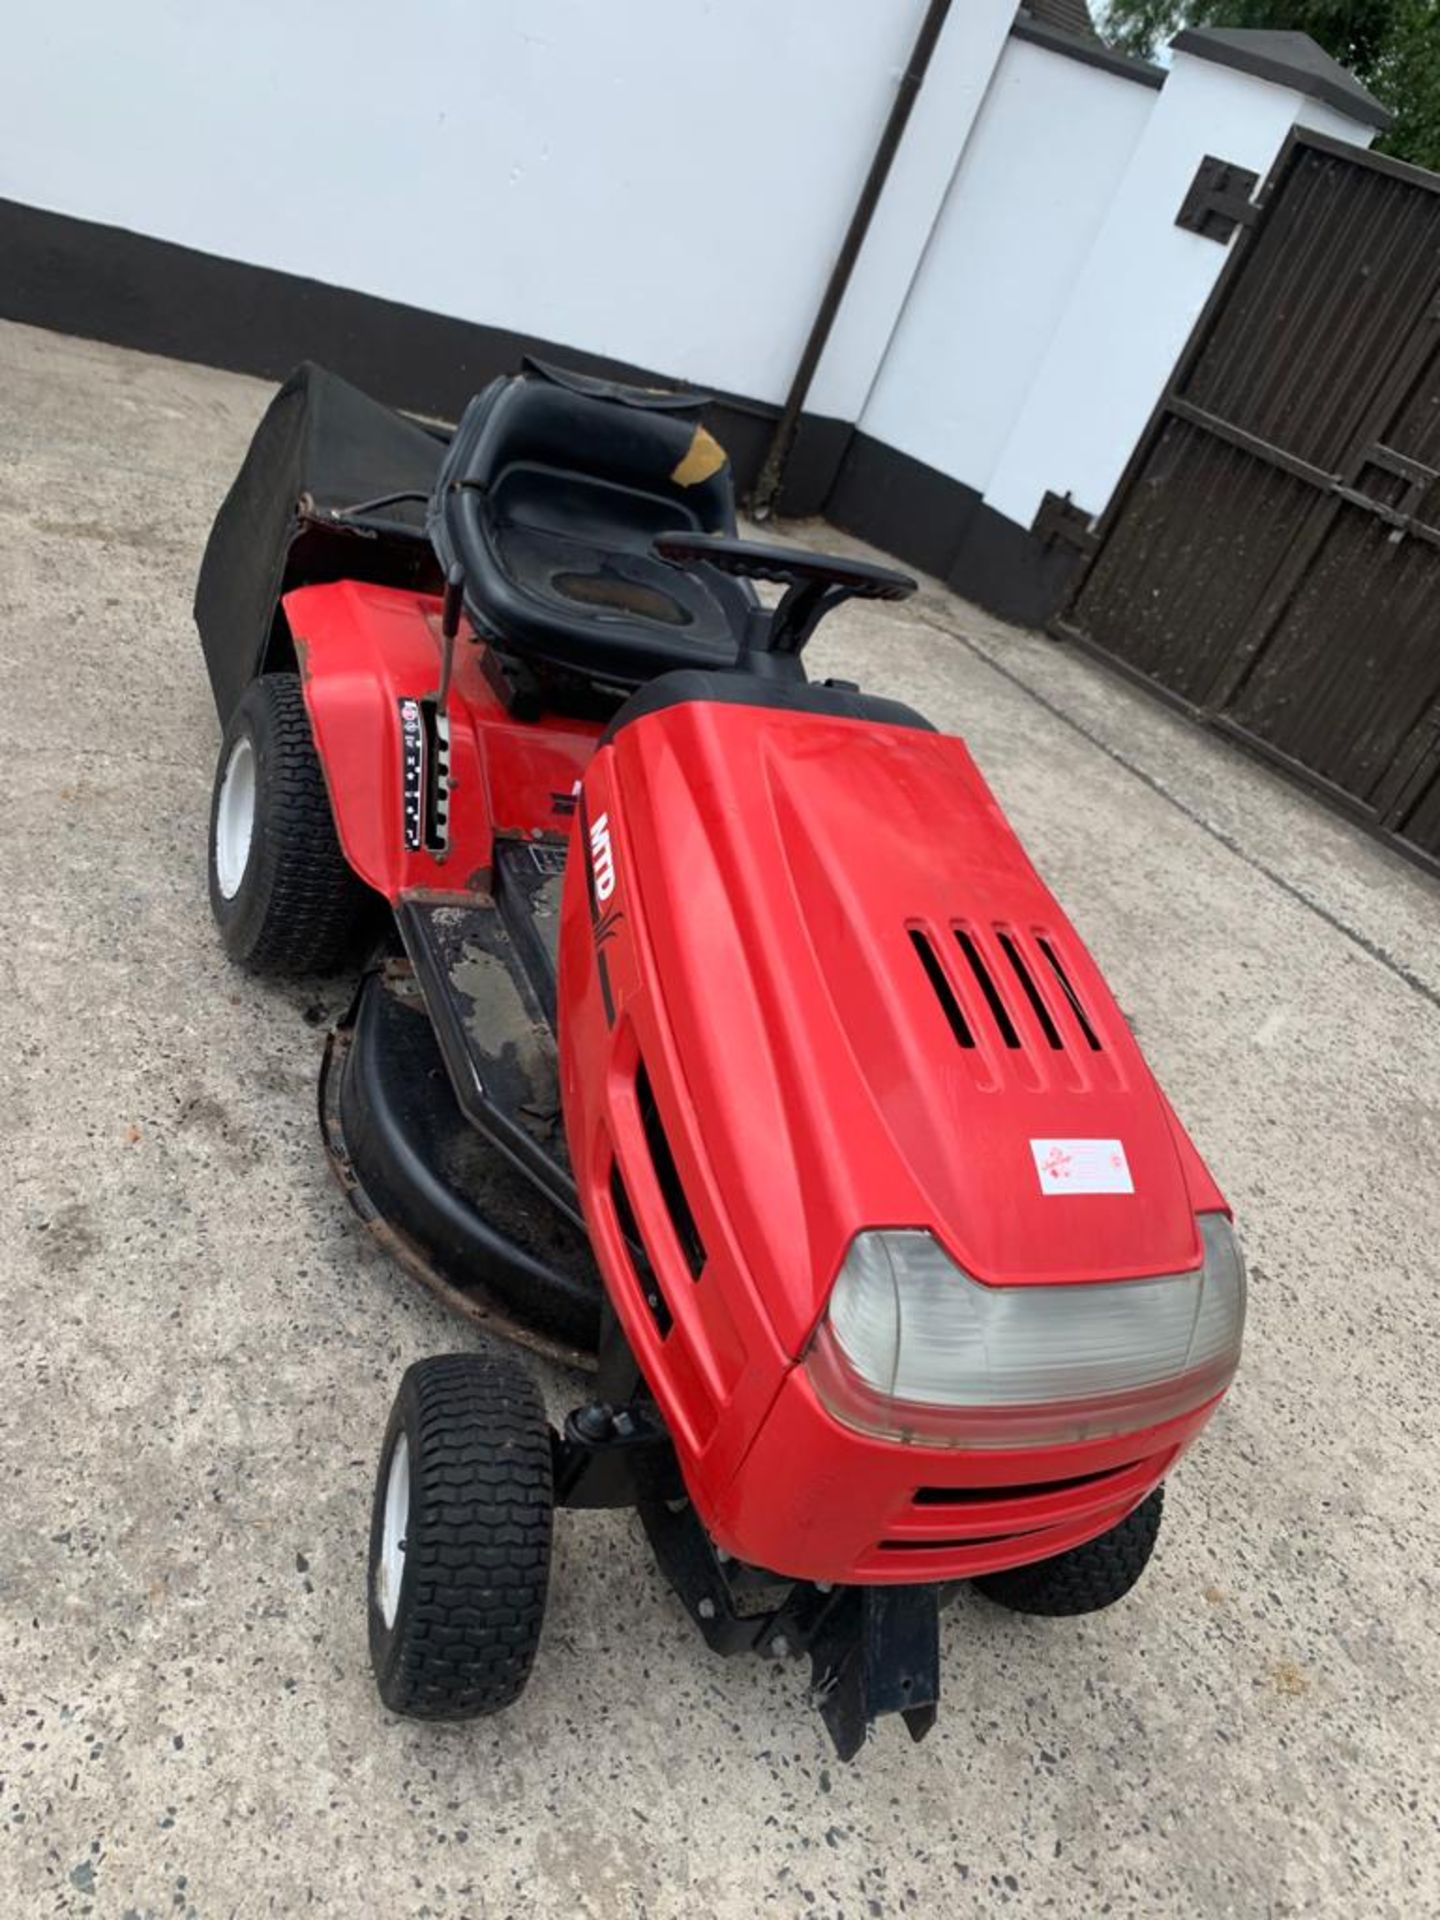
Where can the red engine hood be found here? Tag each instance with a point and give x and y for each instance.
(881, 1016)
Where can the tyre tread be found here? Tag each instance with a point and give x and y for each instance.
(478, 1552)
(1086, 1578)
(303, 910)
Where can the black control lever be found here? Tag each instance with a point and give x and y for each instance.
(451, 608)
(815, 583)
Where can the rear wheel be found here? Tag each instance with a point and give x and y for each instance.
(1086, 1578)
(284, 897)
(460, 1538)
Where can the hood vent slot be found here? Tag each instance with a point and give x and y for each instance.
(667, 1175)
(944, 992)
(635, 1248)
(1032, 992)
(999, 1011)
(1001, 959)
(1092, 1039)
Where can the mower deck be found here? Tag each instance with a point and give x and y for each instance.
(437, 1193)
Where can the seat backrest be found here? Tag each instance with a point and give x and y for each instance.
(623, 436)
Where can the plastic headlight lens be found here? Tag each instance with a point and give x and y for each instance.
(913, 1348)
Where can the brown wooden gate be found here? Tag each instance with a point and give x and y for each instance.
(1271, 558)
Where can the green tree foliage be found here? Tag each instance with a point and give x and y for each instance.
(1391, 46)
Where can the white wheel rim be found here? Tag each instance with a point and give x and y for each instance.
(391, 1570)
(235, 818)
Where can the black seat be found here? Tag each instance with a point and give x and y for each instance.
(550, 496)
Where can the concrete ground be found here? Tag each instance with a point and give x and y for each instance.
(198, 1346)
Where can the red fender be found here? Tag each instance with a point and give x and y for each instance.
(365, 652)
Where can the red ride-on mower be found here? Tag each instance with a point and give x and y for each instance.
(717, 1035)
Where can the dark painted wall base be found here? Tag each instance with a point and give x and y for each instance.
(941, 525)
(102, 283)
(902, 505)
(1003, 567)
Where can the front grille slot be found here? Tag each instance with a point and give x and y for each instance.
(667, 1176)
(944, 992)
(963, 1522)
(944, 1546)
(1032, 992)
(991, 1496)
(999, 1011)
(635, 1248)
(1092, 1039)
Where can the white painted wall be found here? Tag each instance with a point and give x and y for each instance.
(662, 181)
(940, 124)
(1142, 287)
(1049, 149)
(668, 182)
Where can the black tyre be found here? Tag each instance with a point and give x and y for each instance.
(284, 897)
(1086, 1578)
(457, 1600)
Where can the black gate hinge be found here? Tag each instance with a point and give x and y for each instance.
(1058, 518)
(1219, 200)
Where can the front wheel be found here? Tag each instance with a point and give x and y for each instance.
(460, 1538)
(1086, 1578)
(284, 896)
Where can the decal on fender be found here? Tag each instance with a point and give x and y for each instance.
(412, 748)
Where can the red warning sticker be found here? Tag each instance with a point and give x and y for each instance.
(1082, 1166)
